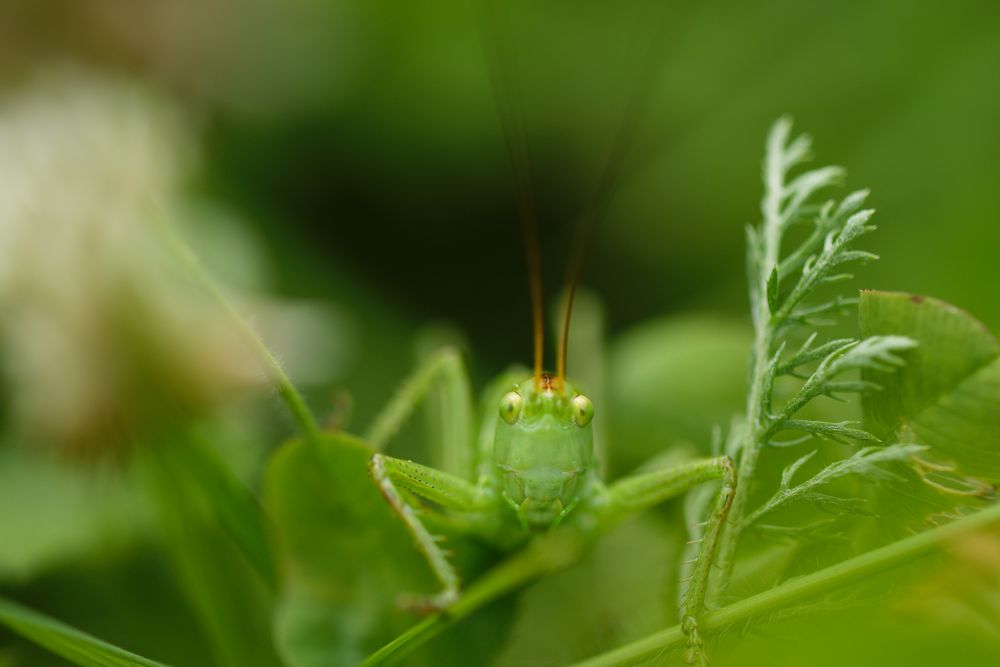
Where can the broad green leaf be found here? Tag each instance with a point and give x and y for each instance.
(953, 346)
(346, 559)
(76, 646)
(948, 394)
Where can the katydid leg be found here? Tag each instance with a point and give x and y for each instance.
(639, 492)
(441, 371)
(442, 488)
(401, 482)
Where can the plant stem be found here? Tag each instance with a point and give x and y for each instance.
(796, 590)
(291, 396)
(547, 554)
(764, 331)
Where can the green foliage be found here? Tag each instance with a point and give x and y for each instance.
(868, 463)
(213, 534)
(946, 397)
(347, 558)
(72, 514)
(875, 352)
(312, 578)
(799, 589)
(77, 647)
(782, 291)
(669, 381)
(215, 490)
(929, 375)
(782, 283)
(394, 212)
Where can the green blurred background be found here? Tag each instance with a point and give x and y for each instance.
(339, 164)
(362, 138)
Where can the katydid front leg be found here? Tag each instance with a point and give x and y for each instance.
(442, 488)
(639, 492)
(442, 369)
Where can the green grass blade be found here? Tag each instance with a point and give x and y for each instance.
(238, 512)
(76, 646)
(799, 589)
(231, 602)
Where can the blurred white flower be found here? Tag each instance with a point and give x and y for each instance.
(94, 310)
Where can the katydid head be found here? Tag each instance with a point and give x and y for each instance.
(543, 449)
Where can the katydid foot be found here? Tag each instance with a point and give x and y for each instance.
(695, 653)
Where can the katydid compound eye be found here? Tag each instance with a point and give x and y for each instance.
(583, 410)
(510, 407)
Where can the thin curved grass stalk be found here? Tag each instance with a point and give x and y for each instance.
(800, 589)
(283, 384)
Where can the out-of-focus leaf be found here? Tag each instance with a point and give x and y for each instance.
(70, 643)
(623, 588)
(670, 381)
(332, 610)
(51, 512)
(230, 599)
(346, 559)
(238, 512)
(948, 394)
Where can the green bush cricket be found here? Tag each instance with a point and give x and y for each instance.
(533, 470)
(533, 467)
